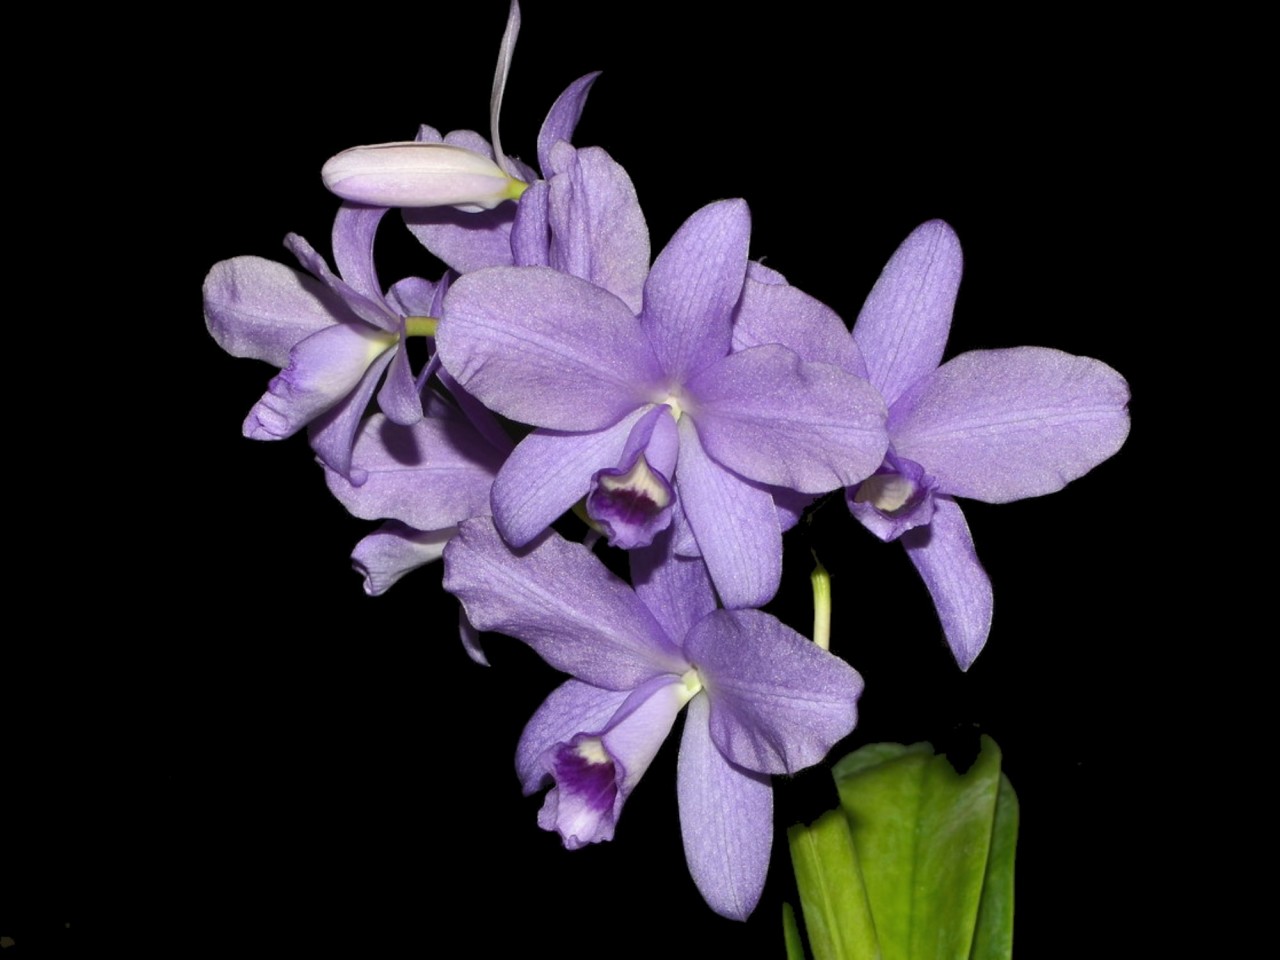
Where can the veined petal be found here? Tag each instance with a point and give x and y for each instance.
(544, 348)
(333, 434)
(558, 598)
(693, 287)
(735, 523)
(598, 231)
(413, 297)
(572, 707)
(464, 241)
(902, 329)
(773, 311)
(531, 232)
(776, 419)
(261, 309)
(354, 228)
(431, 475)
(399, 398)
(677, 590)
(393, 550)
(562, 120)
(778, 701)
(414, 174)
(943, 554)
(323, 369)
(485, 423)
(726, 820)
(1001, 425)
(372, 310)
(548, 472)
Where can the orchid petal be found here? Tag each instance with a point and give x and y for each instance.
(773, 418)
(1001, 425)
(693, 287)
(430, 475)
(332, 435)
(562, 120)
(773, 311)
(544, 348)
(464, 241)
(399, 398)
(261, 309)
(485, 423)
(902, 329)
(412, 297)
(791, 506)
(573, 707)
(372, 311)
(531, 232)
(558, 598)
(354, 228)
(677, 590)
(944, 556)
(598, 231)
(734, 522)
(779, 702)
(393, 550)
(726, 820)
(547, 473)
(322, 370)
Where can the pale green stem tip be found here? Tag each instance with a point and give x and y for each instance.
(821, 581)
(420, 326)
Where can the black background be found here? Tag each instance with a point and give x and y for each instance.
(236, 747)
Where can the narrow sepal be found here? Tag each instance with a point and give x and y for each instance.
(944, 556)
(694, 286)
(902, 329)
(726, 820)
(734, 523)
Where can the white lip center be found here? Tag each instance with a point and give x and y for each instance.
(885, 491)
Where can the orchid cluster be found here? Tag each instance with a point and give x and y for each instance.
(687, 407)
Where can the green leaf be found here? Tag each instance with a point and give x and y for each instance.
(791, 933)
(922, 835)
(837, 916)
(880, 791)
(993, 939)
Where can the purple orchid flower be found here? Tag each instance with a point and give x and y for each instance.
(606, 388)
(994, 425)
(332, 335)
(762, 699)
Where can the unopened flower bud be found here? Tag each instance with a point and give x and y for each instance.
(410, 174)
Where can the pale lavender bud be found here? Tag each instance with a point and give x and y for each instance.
(412, 174)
